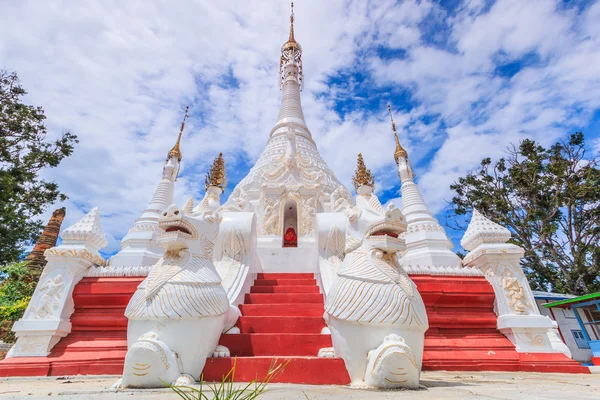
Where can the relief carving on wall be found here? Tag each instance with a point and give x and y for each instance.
(307, 217)
(515, 293)
(50, 298)
(534, 340)
(233, 255)
(270, 223)
(341, 199)
(32, 344)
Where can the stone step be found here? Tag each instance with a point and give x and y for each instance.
(279, 324)
(275, 344)
(285, 275)
(300, 310)
(285, 282)
(284, 289)
(280, 298)
(299, 370)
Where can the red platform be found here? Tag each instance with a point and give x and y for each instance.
(282, 319)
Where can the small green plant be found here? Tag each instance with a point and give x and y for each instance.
(225, 390)
(17, 284)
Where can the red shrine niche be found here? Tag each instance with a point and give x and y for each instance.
(290, 224)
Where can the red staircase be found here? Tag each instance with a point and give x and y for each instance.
(98, 340)
(282, 319)
(462, 334)
(281, 323)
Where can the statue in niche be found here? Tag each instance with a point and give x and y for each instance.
(290, 239)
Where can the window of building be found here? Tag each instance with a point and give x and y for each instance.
(580, 340)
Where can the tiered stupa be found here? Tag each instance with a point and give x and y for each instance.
(290, 182)
(292, 267)
(139, 247)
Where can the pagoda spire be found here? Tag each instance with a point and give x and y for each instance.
(428, 249)
(140, 247)
(400, 152)
(290, 82)
(176, 150)
(401, 155)
(292, 39)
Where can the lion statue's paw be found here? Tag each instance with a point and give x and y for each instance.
(221, 352)
(392, 365)
(184, 380)
(326, 352)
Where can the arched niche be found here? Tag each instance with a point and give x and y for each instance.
(289, 235)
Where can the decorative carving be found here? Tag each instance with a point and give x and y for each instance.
(32, 344)
(445, 270)
(234, 254)
(238, 200)
(334, 249)
(307, 217)
(88, 230)
(515, 293)
(217, 175)
(425, 227)
(49, 298)
(534, 340)
(362, 175)
(112, 271)
(270, 225)
(482, 230)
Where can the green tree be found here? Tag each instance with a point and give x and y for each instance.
(549, 199)
(24, 151)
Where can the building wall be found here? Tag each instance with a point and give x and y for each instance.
(567, 323)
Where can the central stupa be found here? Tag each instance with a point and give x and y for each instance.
(290, 183)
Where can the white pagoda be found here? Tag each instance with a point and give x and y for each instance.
(292, 267)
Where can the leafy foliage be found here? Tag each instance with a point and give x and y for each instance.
(548, 199)
(226, 390)
(15, 292)
(24, 152)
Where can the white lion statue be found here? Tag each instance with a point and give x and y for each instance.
(179, 311)
(374, 311)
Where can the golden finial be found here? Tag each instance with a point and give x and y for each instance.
(362, 175)
(400, 152)
(291, 43)
(176, 151)
(217, 176)
(292, 39)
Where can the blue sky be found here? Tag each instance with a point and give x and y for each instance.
(465, 79)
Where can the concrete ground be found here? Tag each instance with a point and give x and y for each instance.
(435, 385)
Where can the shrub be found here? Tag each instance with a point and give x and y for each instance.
(16, 289)
(225, 390)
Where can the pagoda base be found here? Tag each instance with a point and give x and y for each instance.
(462, 336)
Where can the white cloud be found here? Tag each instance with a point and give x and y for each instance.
(485, 111)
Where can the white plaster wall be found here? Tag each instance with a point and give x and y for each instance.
(274, 258)
(565, 325)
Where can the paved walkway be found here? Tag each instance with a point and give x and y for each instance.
(436, 385)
